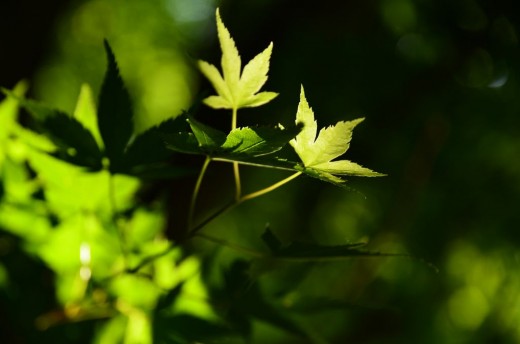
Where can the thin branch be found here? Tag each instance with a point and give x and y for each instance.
(269, 188)
(236, 171)
(196, 191)
(195, 231)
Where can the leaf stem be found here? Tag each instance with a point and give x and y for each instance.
(238, 186)
(196, 191)
(195, 230)
(236, 171)
(269, 188)
(241, 200)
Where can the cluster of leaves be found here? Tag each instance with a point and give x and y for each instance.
(73, 178)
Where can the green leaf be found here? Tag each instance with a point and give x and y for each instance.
(171, 327)
(246, 302)
(9, 109)
(253, 142)
(235, 89)
(314, 252)
(273, 243)
(185, 328)
(240, 143)
(114, 113)
(210, 139)
(75, 142)
(317, 151)
(86, 113)
(183, 142)
(2, 188)
(147, 154)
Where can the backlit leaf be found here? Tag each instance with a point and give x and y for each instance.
(257, 141)
(317, 151)
(235, 89)
(239, 143)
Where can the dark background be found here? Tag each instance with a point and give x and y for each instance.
(437, 82)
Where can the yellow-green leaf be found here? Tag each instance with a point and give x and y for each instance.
(254, 75)
(231, 63)
(86, 113)
(318, 151)
(236, 88)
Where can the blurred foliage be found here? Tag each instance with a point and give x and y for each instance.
(437, 82)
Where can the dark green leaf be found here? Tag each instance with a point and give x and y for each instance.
(271, 240)
(74, 142)
(183, 142)
(170, 327)
(114, 113)
(247, 302)
(314, 252)
(168, 299)
(148, 151)
(209, 138)
(185, 328)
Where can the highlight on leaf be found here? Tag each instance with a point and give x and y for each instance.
(318, 150)
(237, 88)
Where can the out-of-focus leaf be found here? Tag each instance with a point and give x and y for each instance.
(148, 156)
(115, 114)
(310, 304)
(166, 301)
(2, 189)
(86, 113)
(171, 326)
(26, 223)
(138, 328)
(137, 291)
(246, 302)
(313, 252)
(111, 331)
(185, 328)
(149, 147)
(91, 190)
(273, 243)
(75, 142)
(9, 109)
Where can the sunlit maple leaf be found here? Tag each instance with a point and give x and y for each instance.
(236, 88)
(317, 152)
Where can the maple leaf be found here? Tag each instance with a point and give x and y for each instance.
(318, 152)
(235, 89)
